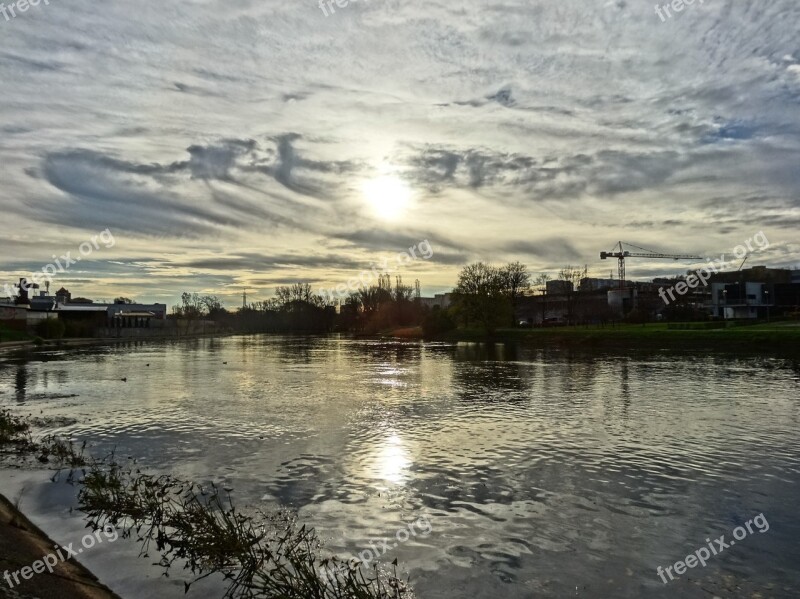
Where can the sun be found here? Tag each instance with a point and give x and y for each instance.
(388, 195)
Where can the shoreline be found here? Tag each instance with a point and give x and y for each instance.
(783, 338)
(21, 544)
(24, 346)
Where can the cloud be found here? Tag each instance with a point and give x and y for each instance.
(236, 143)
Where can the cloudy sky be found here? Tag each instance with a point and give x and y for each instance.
(248, 144)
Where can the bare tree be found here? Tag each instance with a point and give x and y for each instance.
(480, 296)
(211, 303)
(298, 292)
(191, 306)
(571, 277)
(516, 280)
(541, 285)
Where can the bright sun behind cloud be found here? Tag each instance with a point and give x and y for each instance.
(388, 196)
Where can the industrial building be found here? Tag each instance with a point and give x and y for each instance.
(81, 317)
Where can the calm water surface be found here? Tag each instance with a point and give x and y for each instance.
(542, 473)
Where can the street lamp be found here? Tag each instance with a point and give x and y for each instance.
(766, 294)
(725, 304)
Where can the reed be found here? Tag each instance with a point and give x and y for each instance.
(263, 554)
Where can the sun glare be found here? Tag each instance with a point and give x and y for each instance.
(388, 196)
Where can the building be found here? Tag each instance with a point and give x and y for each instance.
(757, 292)
(556, 287)
(81, 317)
(13, 317)
(594, 284)
(440, 300)
(42, 302)
(63, 296)
(563, 308)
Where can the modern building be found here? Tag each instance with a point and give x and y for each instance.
(563, 308)
(593, 284)
(758, 292)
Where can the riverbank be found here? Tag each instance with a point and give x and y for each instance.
(28, 345)
(783, 337)
(21, 544)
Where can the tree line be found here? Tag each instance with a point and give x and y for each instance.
(485, 296)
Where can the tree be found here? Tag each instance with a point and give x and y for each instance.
(123, 300)
(211, 304)
(298, 292)
(541, 285)
(480, 296)
(570, 278)
(191, 306)
(516, 280)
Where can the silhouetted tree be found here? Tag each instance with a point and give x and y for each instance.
(516, 281)
(480, 296)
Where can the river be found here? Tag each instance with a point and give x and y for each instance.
(542, 473)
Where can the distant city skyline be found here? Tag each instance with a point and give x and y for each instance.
(246, 146)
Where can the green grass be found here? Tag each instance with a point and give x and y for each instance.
(782, 336)
(12, 335)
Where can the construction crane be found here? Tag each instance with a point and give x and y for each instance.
(622, 253)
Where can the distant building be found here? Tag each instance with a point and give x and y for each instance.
(440, 300)
(563, 308)
(593, 284)
(157, 311)
(63, 296)
(757, 292)
(556, 287)
(42, 302)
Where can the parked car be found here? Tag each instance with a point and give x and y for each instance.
(554, 322)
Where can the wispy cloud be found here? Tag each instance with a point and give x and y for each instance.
(227, 144)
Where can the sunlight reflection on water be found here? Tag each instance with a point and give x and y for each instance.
(542, 471)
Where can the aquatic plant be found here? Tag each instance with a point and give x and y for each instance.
(261, 554)
(13, 430)
(64, 452)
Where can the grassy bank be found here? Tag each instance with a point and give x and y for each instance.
(783, 336)
(9, 335)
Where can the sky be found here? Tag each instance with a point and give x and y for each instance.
(244, 145)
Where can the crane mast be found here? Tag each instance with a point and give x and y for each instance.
(620, 253)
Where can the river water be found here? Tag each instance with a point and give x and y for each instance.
(542, 473)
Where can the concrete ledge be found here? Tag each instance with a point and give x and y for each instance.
(21, 544)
